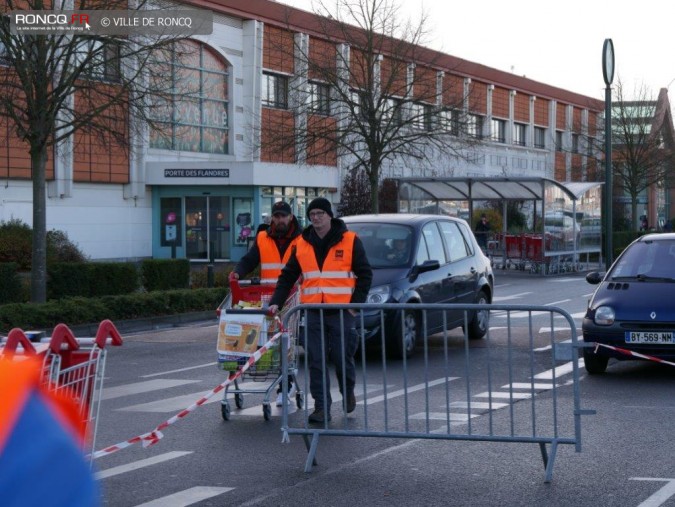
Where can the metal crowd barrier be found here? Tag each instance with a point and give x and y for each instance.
(501, 390)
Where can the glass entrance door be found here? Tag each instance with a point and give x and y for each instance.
(207, 228)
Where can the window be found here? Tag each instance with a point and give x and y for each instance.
(498, 133)
(454, 241)
(360, 101)
(421, 116)
(99, 60)
(448, 121)
(519, 133)
(539, 137)
(558, 140)
(274, 91)
(575, 143)
(393, 109)
(191, 114)
(474, 126)
(589, 146)
(431, 245)
(319, 98)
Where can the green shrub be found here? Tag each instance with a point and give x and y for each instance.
(10, 283)
(165, 274)
(67, 280)
(16, 240)
(16, 243)
(112, 278)
(75, 311)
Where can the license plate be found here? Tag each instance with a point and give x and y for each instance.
(657, 337)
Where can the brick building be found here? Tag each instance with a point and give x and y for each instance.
(205, 185)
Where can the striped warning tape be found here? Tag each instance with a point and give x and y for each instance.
(152, 437)
(631, 353)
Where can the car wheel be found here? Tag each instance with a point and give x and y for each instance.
(406, 333)
(481, 319)
(595, 363)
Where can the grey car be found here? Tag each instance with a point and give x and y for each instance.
(422, 259)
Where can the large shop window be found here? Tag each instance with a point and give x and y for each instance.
(192, 114)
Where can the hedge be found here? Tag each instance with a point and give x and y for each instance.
(10, 287)
(91, 279)
(165, 274)
(77, 310)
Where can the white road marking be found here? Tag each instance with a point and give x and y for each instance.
(411, 389)
(478, 405)
(442, 416)
(180, 370)
(508, 298)
(174, 404)
(516, 315)
(661, 496)
(147, 386)
(555, 329)
(500, 395)
(578, 315)
(564, 280)
(186, 497)
(557, 372)
(136, 465)
(528, 385)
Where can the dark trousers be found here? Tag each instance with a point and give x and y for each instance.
(336, 341)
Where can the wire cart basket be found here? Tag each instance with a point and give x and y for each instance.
(72, 366)
(244, 326)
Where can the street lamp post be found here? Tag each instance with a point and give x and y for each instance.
(608, 76)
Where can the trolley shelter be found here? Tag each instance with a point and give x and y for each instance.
(563, 231)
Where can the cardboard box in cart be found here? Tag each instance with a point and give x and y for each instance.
(240, 335)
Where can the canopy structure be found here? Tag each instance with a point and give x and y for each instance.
(570, 211)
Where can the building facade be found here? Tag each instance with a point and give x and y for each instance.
(199, 191)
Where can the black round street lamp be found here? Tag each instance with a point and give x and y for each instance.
(608, 76)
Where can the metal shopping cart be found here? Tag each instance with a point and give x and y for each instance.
(245, 326)
(71, 366)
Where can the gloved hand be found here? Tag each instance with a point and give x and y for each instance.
(233, 276)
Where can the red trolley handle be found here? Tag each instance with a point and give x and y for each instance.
(106, 329)
(62, 334)
(17, 337)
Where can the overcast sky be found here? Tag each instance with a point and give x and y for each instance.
(556, 42)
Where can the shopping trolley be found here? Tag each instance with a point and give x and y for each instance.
(244, 326)
(72, 366)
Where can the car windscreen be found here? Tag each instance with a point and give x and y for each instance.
(646, 260)
(387, 245)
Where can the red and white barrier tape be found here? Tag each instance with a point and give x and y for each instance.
(631, 353)
(152, 437)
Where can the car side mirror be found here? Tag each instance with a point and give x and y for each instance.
(594, 277)
(424, 267)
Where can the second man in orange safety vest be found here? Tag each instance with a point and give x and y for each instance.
(335, 270)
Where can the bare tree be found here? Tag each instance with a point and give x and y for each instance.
(53, 87)
(367, 93)
(641, 155)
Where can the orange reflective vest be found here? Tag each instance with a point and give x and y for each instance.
(271, 262)
(335, 283)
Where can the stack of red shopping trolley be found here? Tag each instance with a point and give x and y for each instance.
(72, 366)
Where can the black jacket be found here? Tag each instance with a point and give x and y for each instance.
(252, 258)
(360, 265)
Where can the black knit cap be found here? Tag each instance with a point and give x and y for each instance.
(282, 208)
(322, 204)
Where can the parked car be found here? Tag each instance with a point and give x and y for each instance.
(564, 228)
(632, 308)
(422, 259)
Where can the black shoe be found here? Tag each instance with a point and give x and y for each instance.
(318, 416)
(350, 402)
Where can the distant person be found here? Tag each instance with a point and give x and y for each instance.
(272, 249)
(644, 225)
(399, 253)
(41, 440)
(482, 231)
(335, 270)
(668, 227)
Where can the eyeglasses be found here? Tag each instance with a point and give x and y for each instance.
(316, 214)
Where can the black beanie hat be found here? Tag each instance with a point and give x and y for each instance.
(322, 204)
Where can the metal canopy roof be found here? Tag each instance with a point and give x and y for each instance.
(484, 188)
